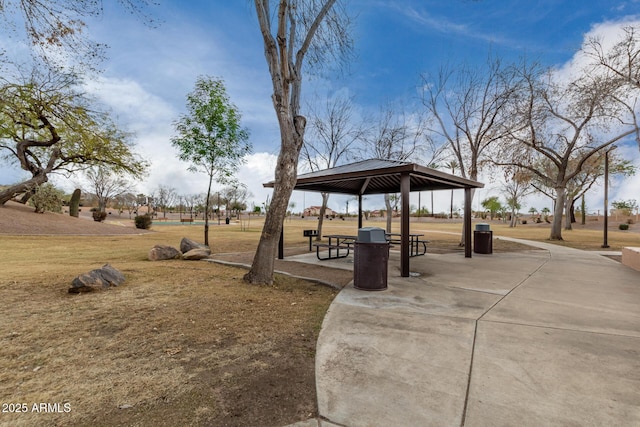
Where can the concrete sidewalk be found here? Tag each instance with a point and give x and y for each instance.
(543, 337)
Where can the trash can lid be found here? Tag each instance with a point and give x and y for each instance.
(371, 235)
(482, 227)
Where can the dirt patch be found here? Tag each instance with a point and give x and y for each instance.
(334, 276)
(18, 219)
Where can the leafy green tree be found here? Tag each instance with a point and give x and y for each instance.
(492, 204)
(628, 206)
(210, 136)
(47, 126)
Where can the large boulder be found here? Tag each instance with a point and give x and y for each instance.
(162, 252)
(196, 254)
(99, 279)
(187, 244)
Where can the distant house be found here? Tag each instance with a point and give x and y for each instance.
(315, 211)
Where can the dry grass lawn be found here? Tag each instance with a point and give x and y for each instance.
(180, 342)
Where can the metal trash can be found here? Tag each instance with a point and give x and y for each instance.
(483, 239)
(227, 220)
(370, 260)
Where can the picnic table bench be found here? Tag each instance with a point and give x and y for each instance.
(186, 219)
(415, 243)
(337, 243)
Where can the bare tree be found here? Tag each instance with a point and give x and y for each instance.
(56, 28)
(106, 186)
(334, 131)
(469, 106)
(516, 188)
(622, 59)
(292, 31)
(567, 123)
(130, 202)
(592, 171)
(165, 197)
(394, 136)
(189, 201)
(235, 198)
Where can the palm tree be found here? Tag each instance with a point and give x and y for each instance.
(453, 165)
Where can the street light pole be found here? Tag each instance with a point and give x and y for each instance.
(605, 243)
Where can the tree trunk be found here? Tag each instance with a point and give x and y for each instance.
(286, 76)
(323, 209)
(464, 223)
(387, 203)
(451, 206)
(23, 187)
(583, 212)
(206, 212)
(261, 271)
(569, 215)
(514, 219)
(432, 213)
(558, 208)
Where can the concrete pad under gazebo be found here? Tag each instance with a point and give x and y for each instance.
(379, 176)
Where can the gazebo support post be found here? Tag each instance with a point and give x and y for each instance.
(359, 211)
(467, 222)
(405, 189)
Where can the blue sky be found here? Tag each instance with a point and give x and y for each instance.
(150, 70)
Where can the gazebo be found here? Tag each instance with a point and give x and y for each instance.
(379, 176)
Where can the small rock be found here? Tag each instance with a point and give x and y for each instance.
(163, 252)
(196, 254)
(187, 244)
(125, 406)
(97, 280)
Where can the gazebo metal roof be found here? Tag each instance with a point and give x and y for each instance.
(379, 176)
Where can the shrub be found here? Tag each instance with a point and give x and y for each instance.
(524, 221)
(47, 198)
(623, 226)
(99, 216)
(143, 221)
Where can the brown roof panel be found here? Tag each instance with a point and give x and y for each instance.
(378, 176)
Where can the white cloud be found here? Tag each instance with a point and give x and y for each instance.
(607, 33)
(141, 109)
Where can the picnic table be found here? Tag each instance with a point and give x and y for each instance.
(337, 242)
(415, 242)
